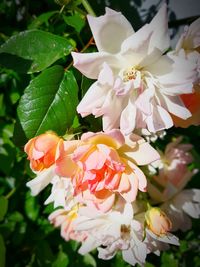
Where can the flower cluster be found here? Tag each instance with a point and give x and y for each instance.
(112, 190)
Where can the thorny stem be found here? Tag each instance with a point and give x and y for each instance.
(88, 8)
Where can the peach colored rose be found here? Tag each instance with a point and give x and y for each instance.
(157, 221)
(42, 150)
(102, 165)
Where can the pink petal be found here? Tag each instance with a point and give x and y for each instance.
(131, 194)
(141, 178)
(65, 166)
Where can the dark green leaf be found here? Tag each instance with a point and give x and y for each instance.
(49, 103)
(61, 260)
(43, 18)
(7, 157)
(32, 207)
(15, 62)
(168, 259)
(85, 84)
(44, 254)
(33, 50)
(2, 252)
(3, 207)
(148, 264)
(2, 106)
(77, 21)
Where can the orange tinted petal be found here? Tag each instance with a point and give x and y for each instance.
(192, 102)
(65, 166)
(29, 147)
(45, 142)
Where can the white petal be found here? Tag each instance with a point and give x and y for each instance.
(192, 209)
(144, 99)
(183, 72)
(142, 154)
(110, 30)
(90, 64)
(89, 244)
(159, 120)
(160, 37)
(175, 106)
(140, 250)
(92, 100)
(138, 41)
(128, 118)
(106, 253)
(141, 179)
(42, 179)
(89, 224)
(129, 257)
(106, 76)
(112, 108)
(161, 66)
(168, 238)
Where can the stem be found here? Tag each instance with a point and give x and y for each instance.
(84, 48)
(61, 10)
(148, 206)
(88, 44)
(88, 8)
(80, 11)
(10, 193)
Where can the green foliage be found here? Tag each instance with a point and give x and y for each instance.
(33, 50)
(48, 103)
(4, 207)
(61, 260)
(77, 21)
(37, 81)
(2, 252)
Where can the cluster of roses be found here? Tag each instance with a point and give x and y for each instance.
(103, 198)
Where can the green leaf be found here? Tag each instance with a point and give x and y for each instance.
(7, 158)
(148, 264)
(89, 260)
(3, 207)
(32, 207)
(43, 18)
(77, 21)
(44, 254)
(85, 84)
(49, 103)
(61, 260)
(33, 50)
(168, 260)
(2, 106)
(2, 252)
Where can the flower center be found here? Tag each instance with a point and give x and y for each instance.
(125, 231)
(130, 74)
